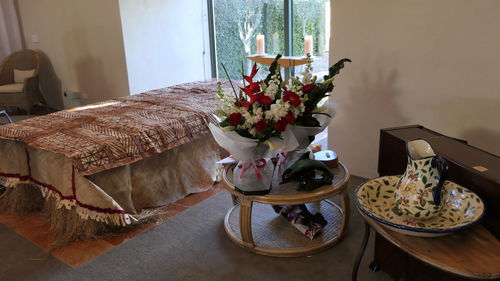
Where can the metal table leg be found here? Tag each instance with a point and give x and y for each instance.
(361, 252)
(4, 112)
(406, 268)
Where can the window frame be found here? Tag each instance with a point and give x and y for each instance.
(288, 32)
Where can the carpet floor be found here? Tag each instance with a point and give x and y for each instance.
(189, 246)
(35, 227)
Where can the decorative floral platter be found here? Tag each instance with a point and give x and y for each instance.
(461, 208)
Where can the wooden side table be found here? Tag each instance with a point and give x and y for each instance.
(472, 253)
(260, 230)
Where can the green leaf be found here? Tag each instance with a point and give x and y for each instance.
(221, 112)
(307, 120)
(273, 69)
(467, 208)
(224, 123)
(422, 202)
(334, 70)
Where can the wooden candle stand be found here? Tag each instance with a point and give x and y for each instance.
(285, 61)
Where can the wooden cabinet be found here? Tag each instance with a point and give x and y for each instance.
(469, 166)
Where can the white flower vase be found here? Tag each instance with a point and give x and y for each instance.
(253, 177)
(253, 174)
(305, 136)
(286, 159)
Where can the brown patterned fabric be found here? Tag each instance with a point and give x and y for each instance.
(121, 131)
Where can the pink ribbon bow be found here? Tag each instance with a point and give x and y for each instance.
(282, 158)
(256, 165)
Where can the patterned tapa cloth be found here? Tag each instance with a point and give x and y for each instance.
(121, 131)
(87, 158)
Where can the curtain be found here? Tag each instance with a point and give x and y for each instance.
(10, 32)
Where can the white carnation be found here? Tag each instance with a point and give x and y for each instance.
(278, 110)
(271, 90)
(307, 74)
(306, 77)
(273, 87)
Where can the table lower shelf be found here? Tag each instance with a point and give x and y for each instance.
(273, 235)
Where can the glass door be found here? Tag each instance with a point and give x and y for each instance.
(238, 23)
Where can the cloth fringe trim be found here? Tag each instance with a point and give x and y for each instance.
(118, 219)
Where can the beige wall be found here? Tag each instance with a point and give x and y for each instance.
(83, 41)
(435, 63)
(166, 42)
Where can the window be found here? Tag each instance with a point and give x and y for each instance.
(284, 24)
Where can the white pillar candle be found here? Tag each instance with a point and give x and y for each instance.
(308, 45)
(260, 45)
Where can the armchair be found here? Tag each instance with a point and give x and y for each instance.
(26, 94)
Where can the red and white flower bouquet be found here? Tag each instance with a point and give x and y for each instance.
(269, 118)
(254, 126)
(318, 109)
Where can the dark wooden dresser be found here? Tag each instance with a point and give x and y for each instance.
(469, 166)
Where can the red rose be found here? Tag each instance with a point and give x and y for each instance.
(261, 125)
(306, 88)
(292, 98)
(235, 118)
(264, 100)
(280, 125)
(290, 117)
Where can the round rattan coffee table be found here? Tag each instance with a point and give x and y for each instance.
(257, 228)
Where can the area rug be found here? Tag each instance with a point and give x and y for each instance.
(190, 246)
(35, 227)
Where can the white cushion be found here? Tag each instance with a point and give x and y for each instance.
(12, 88)
(20, 75)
